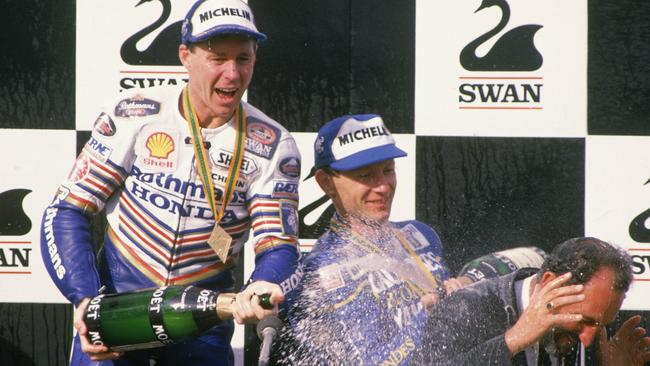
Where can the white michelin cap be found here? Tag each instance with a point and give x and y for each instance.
(209, 18)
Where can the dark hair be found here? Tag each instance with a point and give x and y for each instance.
(585, 256)
(330, 171)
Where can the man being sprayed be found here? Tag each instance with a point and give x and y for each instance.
(368, 281)
(184, 174)
(540, 317)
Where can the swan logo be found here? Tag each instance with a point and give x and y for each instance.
(13, 220)
(261, 138)
(319, 226)
(163, 50)
(513, 51)
(638, 229)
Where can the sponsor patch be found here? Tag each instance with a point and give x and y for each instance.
(290, 167)
(80, 169)
(261, 132)
(206, 144)
(414, 237)
(222, 159)
(104, 125)
(331, 278)
(285, 189)
(261, 138)
(289, 216)
(137, 107)
(97, 149)
(221, 179)
(160, 152)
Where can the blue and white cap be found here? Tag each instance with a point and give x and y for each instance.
(210, 18)
(352, 142)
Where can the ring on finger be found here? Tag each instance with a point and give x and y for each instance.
(549, 306)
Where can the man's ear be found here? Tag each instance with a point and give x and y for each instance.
(324, 180)
(183, 53)
(546, 278)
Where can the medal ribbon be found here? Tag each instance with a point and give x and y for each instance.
(202, 162)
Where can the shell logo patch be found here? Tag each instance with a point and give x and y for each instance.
(160, 145)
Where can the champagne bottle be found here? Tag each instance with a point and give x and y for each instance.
(502, 262)
(156, 317)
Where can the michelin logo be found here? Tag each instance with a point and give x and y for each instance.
(362, 134)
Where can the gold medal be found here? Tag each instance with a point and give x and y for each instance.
(219, 239)
(220, 242)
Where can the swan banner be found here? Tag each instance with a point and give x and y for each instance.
(26, 188)
(123, 45)
(617, 200)
(511, 68)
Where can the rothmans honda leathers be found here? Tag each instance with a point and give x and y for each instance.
(139, 166)
(361, 304)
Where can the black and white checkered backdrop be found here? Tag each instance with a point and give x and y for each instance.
(525, 122)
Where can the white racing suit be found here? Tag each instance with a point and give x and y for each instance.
(139, 166)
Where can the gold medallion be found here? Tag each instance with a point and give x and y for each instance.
(220, 242)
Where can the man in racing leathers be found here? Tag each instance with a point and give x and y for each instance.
(141, 168)
(366, 285)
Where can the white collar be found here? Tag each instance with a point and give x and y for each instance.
(522, 294)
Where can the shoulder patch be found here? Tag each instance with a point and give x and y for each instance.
(137, 106)
(290, 167)
(285, 189)
(414, 237)
(159, 150)
(289, 217)
(261, 138)
(97, 149)
(80, 169)
(104, 125)
(331, 278)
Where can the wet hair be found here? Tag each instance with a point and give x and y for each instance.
(585, 256)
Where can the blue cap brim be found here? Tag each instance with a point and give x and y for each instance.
(226, 29)
(369, 156)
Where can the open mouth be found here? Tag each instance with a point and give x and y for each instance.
(226, 92)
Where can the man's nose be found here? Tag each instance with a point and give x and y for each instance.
(381, 183)
(231, 70)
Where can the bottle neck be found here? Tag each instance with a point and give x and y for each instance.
(224, 305)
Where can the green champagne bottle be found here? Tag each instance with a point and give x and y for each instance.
(502, 262)
(156, 317)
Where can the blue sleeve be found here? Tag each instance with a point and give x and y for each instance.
(67, 250)
(275, 264)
